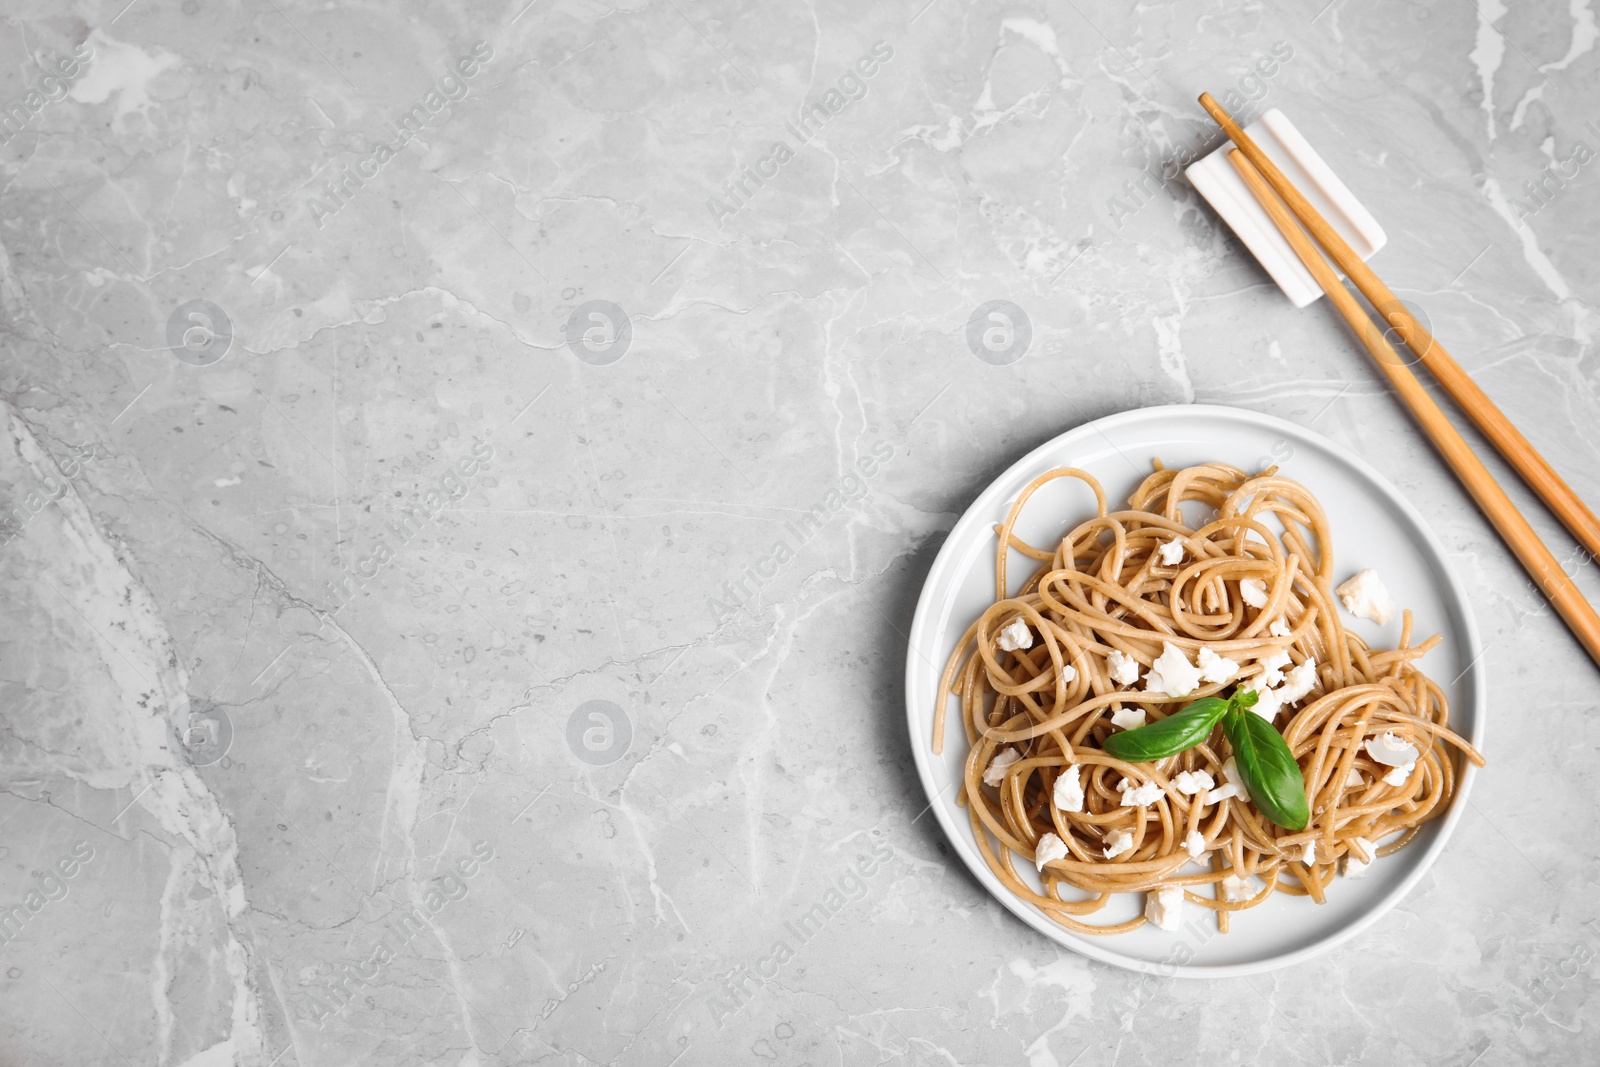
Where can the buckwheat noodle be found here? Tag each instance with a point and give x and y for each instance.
(1104, 588)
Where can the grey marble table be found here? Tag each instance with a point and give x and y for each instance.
(468, 469)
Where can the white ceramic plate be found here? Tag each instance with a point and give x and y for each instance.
(1373, 526)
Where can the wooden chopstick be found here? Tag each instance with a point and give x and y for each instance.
(1513, 528)
(1506, 438)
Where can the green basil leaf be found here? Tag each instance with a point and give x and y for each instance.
(1181, 730)
(1268, 768)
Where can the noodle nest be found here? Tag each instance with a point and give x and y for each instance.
(1034, 714)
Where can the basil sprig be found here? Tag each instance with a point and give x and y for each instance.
(1271, 775)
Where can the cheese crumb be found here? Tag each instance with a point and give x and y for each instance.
(1139, 796)
(1354, 865)
(1171, 553)
(1279, 628)
(1191, 782)
(1308, 852)
(1390, 750)
(1268, 703)
(1068, 793)
(1398, 775)
(1123, 668)
(1128, 718)
(1365, 596)
(1230, 772)
(1172, 673)
(1234, 786)
(1117, 842)
(995, 773)
(1015, 635)
(1253, 591)
(1194, 844)
(1164, 906)
(1224, 792)
(1298, 683)
(1050, 847)
(1272, 667)
(1235, 889)
(1215, 668)
(1353, 780)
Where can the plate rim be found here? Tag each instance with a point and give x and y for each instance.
(1095, 948)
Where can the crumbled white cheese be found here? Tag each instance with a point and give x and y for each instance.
(1015, 635)
(1215, 668)
(1194, 844)
(1233, 786)
(1224, 792)
(1235, 889)
(1139, 796)
(1069, 673)
(1230, 772)
(1390, 750)
(1398, 775)
(1267, 704)
(995, 773)
(1164, 906)
(1253, 591)
(1353, 780)
(1365, 597)
(1171, 553)
(1308, 852)
(1050, 847)
(1123, 668)
(1068, 793)
(1279, 628)
(1117, 842)
(1172, 673)
(1354, 865)
(1272, 667)
(1191, 782)
(1128, 718)
(1298, 683)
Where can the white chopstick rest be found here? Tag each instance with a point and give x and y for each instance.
(1216, 180)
